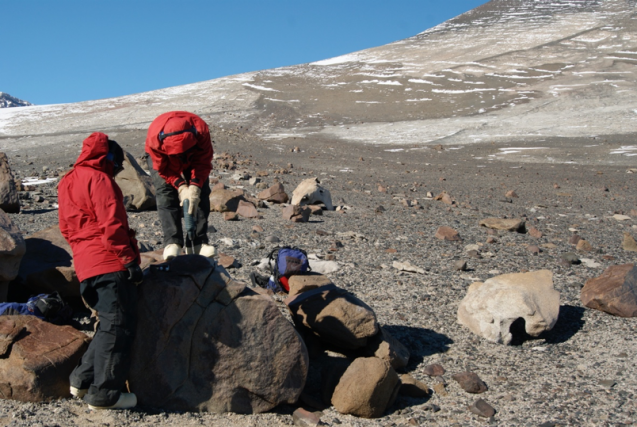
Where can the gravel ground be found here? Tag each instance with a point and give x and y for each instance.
(581, 373)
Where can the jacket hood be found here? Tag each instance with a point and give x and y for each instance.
(94, 152)
(176, 121)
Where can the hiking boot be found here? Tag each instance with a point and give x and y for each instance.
(78, 392)
(125, 401)
(171, 251)
(204, 250)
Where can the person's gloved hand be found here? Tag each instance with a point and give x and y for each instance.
(183, 193)
(194, 194)
(135, 273)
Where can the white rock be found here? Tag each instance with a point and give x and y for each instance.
(309, 192)
(590, 263)
(407, 266)
(323, 267)
(470, 248)
(231, 243)
(490, 307)
(619, 217)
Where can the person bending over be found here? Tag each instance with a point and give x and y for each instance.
(180, 160)
(106, 257)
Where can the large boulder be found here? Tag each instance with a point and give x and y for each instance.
(614, 292)
(367, 388)
(335, 316)
(12, 248)
(37, 357)
(9, 201)
(310, 192)
(47, 266)
(205, 342)
(136, 185)
(490, 308)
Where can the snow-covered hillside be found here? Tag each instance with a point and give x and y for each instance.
(510, 69)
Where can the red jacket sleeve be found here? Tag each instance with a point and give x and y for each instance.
(112, 220)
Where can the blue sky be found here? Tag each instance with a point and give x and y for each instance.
(76, 50)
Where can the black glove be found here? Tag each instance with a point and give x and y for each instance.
(135, 274)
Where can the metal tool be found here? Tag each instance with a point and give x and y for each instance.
(190, 221)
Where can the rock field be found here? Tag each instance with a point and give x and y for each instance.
(580, 373)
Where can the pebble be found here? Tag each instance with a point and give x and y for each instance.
(434, 370)
(482, 408)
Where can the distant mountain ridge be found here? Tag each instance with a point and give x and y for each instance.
(7, 101)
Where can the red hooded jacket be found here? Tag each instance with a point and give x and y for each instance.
(92, 215)
(186, 150)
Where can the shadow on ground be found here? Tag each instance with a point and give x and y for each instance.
(421, 342)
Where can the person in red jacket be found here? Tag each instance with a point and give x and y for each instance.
(180, 159)
(106, 257)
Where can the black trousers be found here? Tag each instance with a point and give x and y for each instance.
(170, 213)
(103, 369)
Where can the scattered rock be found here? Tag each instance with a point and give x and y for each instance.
(460, 265)
(620, 217)
(37, 357)
(274, 194)
(222, 200)
(470, 382)
(367, 388)
(570, 258)
(614, 292)
(296, 213)
(434, 370)
(411, 387)
(447, 233)
(445, 198)
(482, 409)
(535, 233)
(504, 224)
(323, 267)
(590, 263)
(247, 210)
(304, 418)
(491, 307)
(407, 266)
(629, 244)
(310, 192)
(230, 216)
(574, 239)
(534, 249)
(227, 261)
(583, 246)
(511, 194)
(198, 330)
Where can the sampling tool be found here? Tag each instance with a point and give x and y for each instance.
(190, 221)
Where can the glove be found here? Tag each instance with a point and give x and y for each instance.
(135, 274)
(183, 194)
(194, 196)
